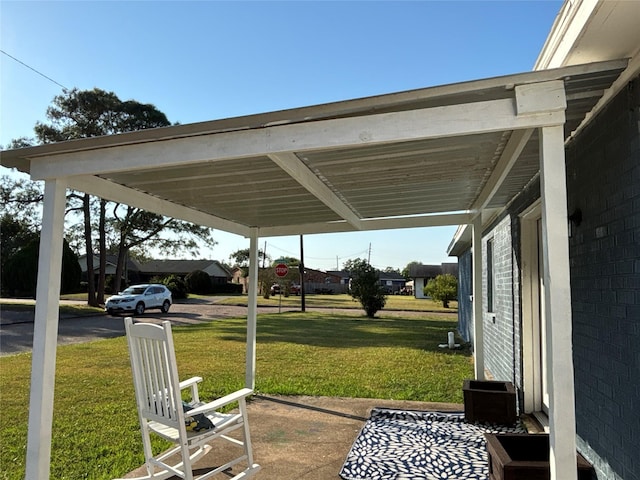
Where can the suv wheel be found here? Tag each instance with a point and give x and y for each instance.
(165, 306)
(139, 308)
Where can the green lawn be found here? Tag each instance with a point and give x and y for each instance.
(394, 302)
(95, 422)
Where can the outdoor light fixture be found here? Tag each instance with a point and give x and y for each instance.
(575, 219)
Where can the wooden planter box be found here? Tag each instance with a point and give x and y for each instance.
(525, 457)
(489, 401)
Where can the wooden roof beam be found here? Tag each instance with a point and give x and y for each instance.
(384, 128)
(291, 164)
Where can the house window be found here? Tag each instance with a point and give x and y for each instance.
(490, 276)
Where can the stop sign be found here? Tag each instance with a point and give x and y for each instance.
(282, 270)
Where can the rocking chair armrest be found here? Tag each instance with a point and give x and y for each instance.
(189, 382)
(193, 383)
(220, 402)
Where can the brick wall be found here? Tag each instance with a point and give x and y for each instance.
(499, 324)
(603, 176)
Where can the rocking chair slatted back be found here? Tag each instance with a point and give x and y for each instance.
(155, 373)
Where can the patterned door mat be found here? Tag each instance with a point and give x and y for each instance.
(414, 445)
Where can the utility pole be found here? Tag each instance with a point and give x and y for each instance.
(264, 254)
(302, 300)
(369, 259)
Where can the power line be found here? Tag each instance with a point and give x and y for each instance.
(38, 72)
(319, 258)
(342, 257)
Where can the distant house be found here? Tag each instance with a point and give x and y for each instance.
(450, 269)
(161, 268)
(109, 270)
(139, 273)
(327, 282)
(238, 277)
(315, 281)
(392, 282)
(343, 274)
(421, 274)
(344, 279)
(130, 275)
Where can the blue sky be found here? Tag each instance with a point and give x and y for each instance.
(204, 60)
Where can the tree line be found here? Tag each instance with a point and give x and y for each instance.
(93, 225)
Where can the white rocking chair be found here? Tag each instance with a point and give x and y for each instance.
(161, 409)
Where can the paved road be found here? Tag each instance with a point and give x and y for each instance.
(16, 328)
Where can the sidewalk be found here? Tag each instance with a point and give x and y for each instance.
(308, 438)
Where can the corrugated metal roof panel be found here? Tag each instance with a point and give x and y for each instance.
(373, 180)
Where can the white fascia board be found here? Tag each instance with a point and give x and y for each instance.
(291, 164)
(565, 33)
(418, 221)
(118, 193)
(437, 122)
(463, 235)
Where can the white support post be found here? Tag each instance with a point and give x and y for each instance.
(478, 326)
(252, 311)
(45, 331)
(557, 291)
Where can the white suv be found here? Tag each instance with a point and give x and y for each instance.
(138, 298)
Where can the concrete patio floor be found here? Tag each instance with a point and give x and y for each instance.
(305, 437)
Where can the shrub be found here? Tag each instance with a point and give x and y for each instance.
(443, 288)
(366, 288)
(177, 286)
(198, 282)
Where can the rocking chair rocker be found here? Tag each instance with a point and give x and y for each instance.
(190, 426)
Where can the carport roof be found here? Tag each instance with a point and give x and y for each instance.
(433, 156)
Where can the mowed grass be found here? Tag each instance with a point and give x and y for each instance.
(394, 302)
(96, 432)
